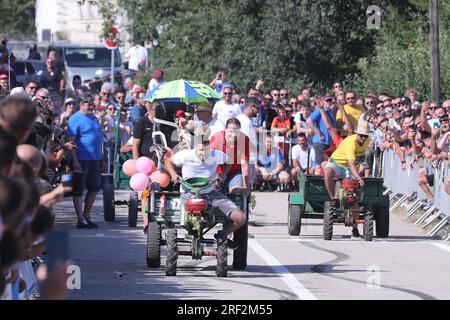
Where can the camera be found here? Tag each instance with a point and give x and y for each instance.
(66, 180)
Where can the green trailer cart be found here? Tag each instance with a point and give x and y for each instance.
(312, 202)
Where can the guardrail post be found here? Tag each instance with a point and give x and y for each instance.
(439, 226)
(399, 202)
(423, 217)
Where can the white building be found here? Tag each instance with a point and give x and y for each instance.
(73, 21)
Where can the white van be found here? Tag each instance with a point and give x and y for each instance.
(87, 61)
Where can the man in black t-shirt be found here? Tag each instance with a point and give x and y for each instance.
(51, 77)
(142, 142)
(142, 134)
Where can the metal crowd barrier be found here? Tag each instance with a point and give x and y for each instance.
(402, 184)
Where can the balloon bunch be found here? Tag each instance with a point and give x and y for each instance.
(143, 171)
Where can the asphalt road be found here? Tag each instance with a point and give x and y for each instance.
(408, 265)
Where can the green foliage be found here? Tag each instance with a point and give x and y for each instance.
(287, 43)
(402, 56)
(17, 17)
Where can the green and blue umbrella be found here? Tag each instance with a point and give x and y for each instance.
(183, 91)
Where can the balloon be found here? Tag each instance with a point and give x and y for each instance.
(129, 167)
(145, 165)
(139, 181)
(160, 177)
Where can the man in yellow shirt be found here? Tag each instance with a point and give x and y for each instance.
(353, 111)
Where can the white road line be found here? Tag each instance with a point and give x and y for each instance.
(442, 246)
(287, 277)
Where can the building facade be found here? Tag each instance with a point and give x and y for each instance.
(73, 21)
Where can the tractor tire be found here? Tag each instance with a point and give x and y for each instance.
(109, 210)
(154, 245)
(368, 223)
(172, 252)
(328, 216)
(382, 222)
(222, 258)
(294, 219)
(240, 254)
(133, 205)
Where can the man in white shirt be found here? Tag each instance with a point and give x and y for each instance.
(137, 58)
(201, 162)
(220, 82)
(225, 109)
(252, 108)
(300, 157)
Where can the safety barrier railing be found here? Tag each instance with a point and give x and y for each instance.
(402, 184)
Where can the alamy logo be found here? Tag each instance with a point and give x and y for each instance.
(74, 279)
(374, 17)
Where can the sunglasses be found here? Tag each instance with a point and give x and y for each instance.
(294, 103)
(283, 94)
(276, 94)
(43, 97)
(350, 98)
(32, 88)
(111, 109)
(120, 97)
(227, 93)
(362, 136)
(370, 103)
(105, 93)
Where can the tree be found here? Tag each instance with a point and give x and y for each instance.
(18, 17)
(286, 42)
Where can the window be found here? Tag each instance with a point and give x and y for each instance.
(91, 57)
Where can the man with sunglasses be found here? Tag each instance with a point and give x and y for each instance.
(225, 109)
(31, 88)
(344, 162)
(353, 111)
(266, 113)
(84, 129)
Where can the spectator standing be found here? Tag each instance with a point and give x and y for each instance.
(220, 82)
(157, 80)
(52, 78)
(138, 111)
(137, 58)
(225, 109)
(85, 131)
(353, 111)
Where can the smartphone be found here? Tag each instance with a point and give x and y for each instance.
(67, 181)
(391, 123)
(436, 125)
(57, 248)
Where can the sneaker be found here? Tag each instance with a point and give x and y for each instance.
(145, 229)
(355, 233)
(91, 224)
(230, 243)
(427, 205)
(83, 225)
(412, 197)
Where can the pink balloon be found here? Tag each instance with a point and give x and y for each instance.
(139, 181)
(145, 165)
(129, 167)
(160, 177)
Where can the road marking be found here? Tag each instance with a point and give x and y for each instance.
(287, 277)
(442, 246)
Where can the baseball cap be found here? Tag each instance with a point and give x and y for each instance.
(3, 76)
(180, 114)
(69, 100)
(204, 106)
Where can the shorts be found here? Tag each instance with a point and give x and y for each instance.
(217, 200)
(235, 181)
(276, 177)
(368, 158)
(345, 173)
(319, 150)
(89, 179)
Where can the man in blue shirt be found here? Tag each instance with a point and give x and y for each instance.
(138, 111)
(322, 138)
(84, 129)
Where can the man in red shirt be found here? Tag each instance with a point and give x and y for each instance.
(236, 145)
(282, 125)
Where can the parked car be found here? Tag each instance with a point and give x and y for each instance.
(90, 62)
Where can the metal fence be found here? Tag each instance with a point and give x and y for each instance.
(401, 184)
